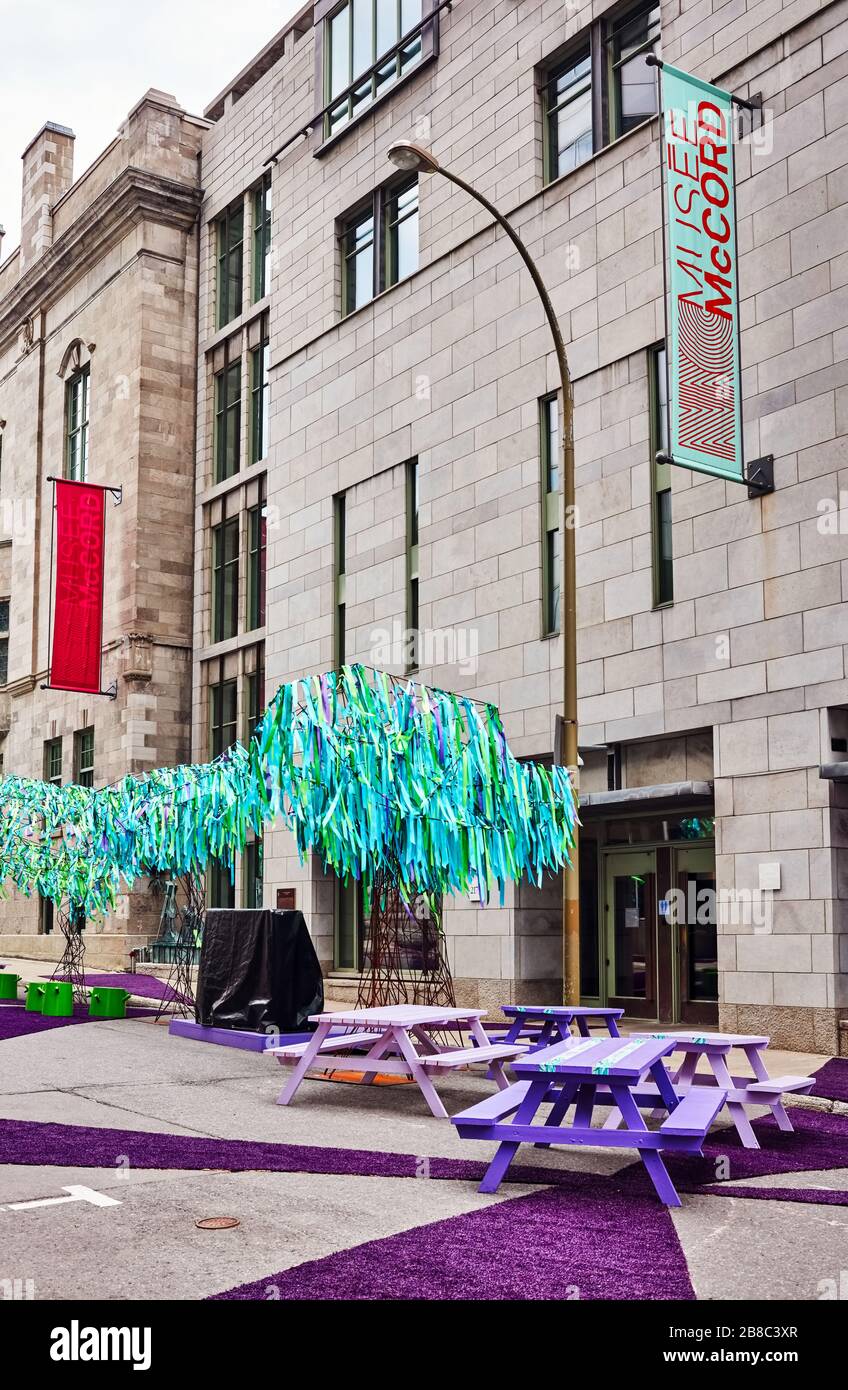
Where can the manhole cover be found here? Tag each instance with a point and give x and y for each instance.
(217, 1223)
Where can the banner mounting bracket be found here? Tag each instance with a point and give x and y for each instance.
(759, 475)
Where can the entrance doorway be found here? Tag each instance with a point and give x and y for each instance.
(660, 956)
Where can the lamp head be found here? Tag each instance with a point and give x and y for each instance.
(411, 158)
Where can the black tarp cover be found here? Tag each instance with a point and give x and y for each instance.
(258, 971)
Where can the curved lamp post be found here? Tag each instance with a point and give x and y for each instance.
(410, 157)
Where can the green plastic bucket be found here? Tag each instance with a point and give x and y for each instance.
(35, 997)
(107, 1002)
(8, 985)
(58, 999)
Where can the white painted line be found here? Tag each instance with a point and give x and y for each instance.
(77, 1194)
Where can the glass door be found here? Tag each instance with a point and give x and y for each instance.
(630, 922)
(697, 935)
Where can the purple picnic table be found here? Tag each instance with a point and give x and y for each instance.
(582, 1073)
(550, 1023)
(405, 1030)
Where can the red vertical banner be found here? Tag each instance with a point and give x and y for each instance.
(78, 607)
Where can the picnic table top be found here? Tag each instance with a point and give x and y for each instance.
(698, 1037)
(563, 1010)
(624, 1058)
(399, 1016)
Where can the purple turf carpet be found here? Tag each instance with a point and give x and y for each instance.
(587, 1241)
(832, 1080)
(143, 986)
(822, 1196)
(15, 1022)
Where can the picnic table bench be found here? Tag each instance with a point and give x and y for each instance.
(741, 1091)
(579, 1073)
(397, 1040)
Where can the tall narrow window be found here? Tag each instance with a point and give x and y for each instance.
(223, 723)
(551, 537)
(358, 263)
(633, 94)
(254, 697)
(225, 579)
(413, 643)
(261, 238)
(4, 640)
(568, 115)
(222, 891)
(339, 568)
(76, 425)
(228, 421)
(251, 883)
(355, 36)
(45, 915)
(53, 761)
(259, 399)
(84, 757)
(256, 565)
(401, 231)
(661, 480)
(230, 239)
(349, 926)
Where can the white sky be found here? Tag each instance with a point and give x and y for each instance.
(85, 63)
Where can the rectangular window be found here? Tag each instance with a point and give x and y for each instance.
(551, 537)
(45, 915)
(228, 421)
(254, 697)
(257, 529)
(84, 758)
(568, 114)
(339, 551)
(251, 881)
(225, 579)
(356, 35)
(261, 238)
(53, 761)
(259, 398)
(230, 252)
(379, 244)
(4, 640)
(660, 480)
(412, 612)
(222, 891)
(633, 89)
(349, 926)
(223, 722)
(76, 425)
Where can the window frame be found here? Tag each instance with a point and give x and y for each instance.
(224, 566)
(550, 464)
(260, 399)
(223, 408)
(662, 566)
(80, 431)
(261, 211)
(84, 756)
(613, 24)
(377, 209)
(224, 311)
(51, 746)
(413, 617)
(217, 690)
(5, 603)
(567, 59)
(257, 562)
(339, 579)
(325, 12)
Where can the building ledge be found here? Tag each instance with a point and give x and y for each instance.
(834, 772)
(648, 798)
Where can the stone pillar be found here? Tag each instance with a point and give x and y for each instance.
(48, 173)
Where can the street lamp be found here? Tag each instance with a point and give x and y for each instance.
(410, 157)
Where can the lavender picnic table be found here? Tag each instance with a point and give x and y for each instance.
(396, 1040)
(582, 1073)
(544, 1024)
(758, 1089)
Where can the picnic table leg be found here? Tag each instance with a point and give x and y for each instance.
(306, 1062)
(777, 1108)
(559, 1108)
(582, 1025)
(379, 1049)
(735, 1110)
(612, 1024)
(651, 1158)
(508, 1148)
(404, 1046)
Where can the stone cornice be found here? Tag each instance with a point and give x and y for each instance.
(135, 194)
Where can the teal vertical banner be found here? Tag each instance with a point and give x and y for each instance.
(705, 397)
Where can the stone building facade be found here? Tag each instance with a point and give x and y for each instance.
(97, 369)
(400, 477)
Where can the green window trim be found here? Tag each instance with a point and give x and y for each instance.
(568, 118)
(339, 578)
(379, 243)
(229, 233)
(225, 579)
(662, 553)
(261, 238)
(259, 401)
(223, 716)
(549, 455)
(257, 530)
(356, 34)
(53, 761)
(631, 36)
(77, 393)
(252, 877)
(227, 421)
(254, 701)
(412, 573)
